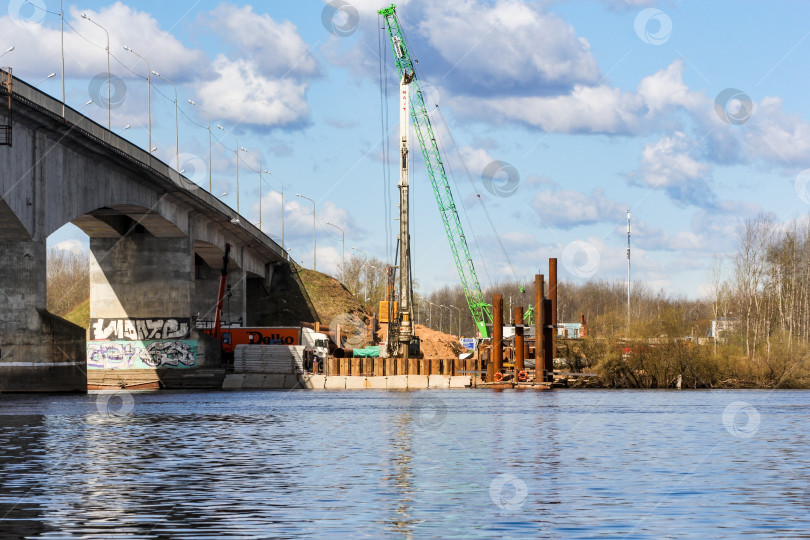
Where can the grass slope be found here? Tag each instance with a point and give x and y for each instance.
(79, 315)
(329, 296)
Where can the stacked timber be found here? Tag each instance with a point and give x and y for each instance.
(268, 359)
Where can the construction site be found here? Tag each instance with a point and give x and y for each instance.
(392, 351)
(244, 317)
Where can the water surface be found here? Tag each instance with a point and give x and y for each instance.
(465, 463)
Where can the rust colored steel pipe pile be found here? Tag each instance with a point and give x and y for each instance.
(497, 333)
(539, 323)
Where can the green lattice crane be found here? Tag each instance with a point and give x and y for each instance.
(479, 309)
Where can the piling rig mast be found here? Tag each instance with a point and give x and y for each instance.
(479, 309)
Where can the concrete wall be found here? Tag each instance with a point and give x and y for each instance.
(140, 276)
(206, 287)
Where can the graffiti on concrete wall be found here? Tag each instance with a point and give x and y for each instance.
(139, 329)
(141, 354)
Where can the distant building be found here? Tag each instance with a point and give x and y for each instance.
(571, 330)
(721, 327)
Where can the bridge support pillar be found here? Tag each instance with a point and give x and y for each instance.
(39, 352)
(141, 290)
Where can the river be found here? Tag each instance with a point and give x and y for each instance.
(465, 463)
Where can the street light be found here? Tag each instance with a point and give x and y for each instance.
(86, 103)
(109, 85)
(368, 291)
(176, 123)
(282, 207)
(51, 76)
(219, 126)
(343, 241)
(459, 320)
(7, 51)
(430, 315)
(360, 251)
(245, 150)
(441, 316)
(314, 239)
(210, 155)
(148, 94)
(365, 262)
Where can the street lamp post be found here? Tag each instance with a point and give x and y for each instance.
(210, 167)
(368, 284)
(7, 51)
(365, 262)
(282, 208)
(176, 123)
(314, 239)
(361, 251)
(343, 241)
(148, 95)
(459, 319)
(219, 126)
(441, 316)
(109, 85)
(245, 150)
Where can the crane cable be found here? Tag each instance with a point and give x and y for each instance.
(480, 199)
(461, 199)
(382, 56)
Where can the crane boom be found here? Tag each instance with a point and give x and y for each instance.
(479, 309)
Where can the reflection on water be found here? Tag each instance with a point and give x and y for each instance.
(401, 475)
(637, 464)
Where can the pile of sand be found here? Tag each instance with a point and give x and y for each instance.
(436, 345)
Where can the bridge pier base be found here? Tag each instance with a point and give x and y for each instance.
(140, 304)
(39, 352)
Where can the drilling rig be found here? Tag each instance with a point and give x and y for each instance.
(412, 103)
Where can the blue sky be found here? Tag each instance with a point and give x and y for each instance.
(692, 114)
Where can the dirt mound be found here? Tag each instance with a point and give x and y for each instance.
(435, 345)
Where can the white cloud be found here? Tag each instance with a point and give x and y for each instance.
(298, 222)
(504, 46)
(669, 165)
(655, 239)
(587, 109)
(275, 46)
(72, 244)
(38, 46)
(567, 208)
(595, 109)
(776, 136)
(629, 4)
(241, 94)
(665, 89)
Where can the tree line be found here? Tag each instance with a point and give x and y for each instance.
(758, 295)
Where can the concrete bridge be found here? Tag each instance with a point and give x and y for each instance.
(156, 247)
